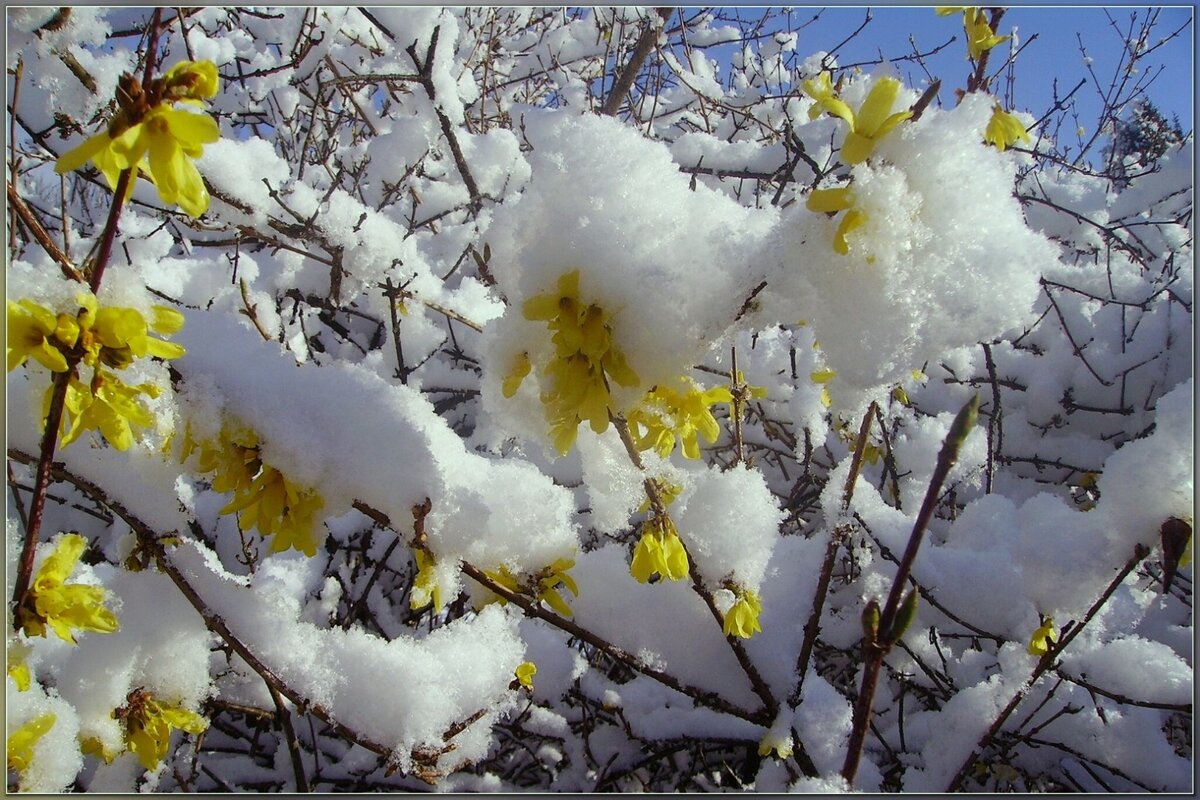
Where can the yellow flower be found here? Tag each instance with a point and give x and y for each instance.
(425, 588)
(659, 552)
(31, 331)
(18, 669)
(980, 36)
(172, 138)
(550, 579)
(525, 672)
(1043, 638)
(831, 201)
(516, 374)
(192, 81)
(503, 576)
(150, 134)
(1004, 130)
(91, 746)
(280, 509)
(667, 492)
(263, 497)
(821, 90)
(585, 358)
(680, 412)
(148, 724)
(21, 742)
(771, 742)
(873, 121)
(109, 336)
(742, 619)
(109, 405)
(61, 605)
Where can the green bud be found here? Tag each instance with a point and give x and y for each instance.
(968, 415)
(904, 616)
(870, 621)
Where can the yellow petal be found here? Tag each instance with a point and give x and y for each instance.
(877, 107)
(830, 200)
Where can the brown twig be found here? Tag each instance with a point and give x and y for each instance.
(62, 380)
(624, 82)
(425, 72)
(35, 227)
(886, 631)
(1046, 663)
(813, 627)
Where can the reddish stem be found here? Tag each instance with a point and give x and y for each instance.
(62, 380)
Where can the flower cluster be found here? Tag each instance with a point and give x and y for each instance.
(659, 552)
(148, 723)
(149, 133)
(668, 413)
(263, 497)
(61, 606)
(874, 120)
(584, 360)
(96, 337)
(741, 619)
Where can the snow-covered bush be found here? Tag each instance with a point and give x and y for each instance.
(508, 398)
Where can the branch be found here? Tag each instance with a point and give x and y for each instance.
(1044, 664)
(624, 82)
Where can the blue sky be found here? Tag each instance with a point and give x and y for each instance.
(1055, 53)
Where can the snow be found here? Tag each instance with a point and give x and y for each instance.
(1060, 297)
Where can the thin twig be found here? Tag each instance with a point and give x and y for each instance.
(1046, 662)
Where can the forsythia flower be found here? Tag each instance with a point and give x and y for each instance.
(822, 377)
(1004, 130)
(659, 552)
(61, 605)
(546, 580)
(742, 619)
(585, 359)
(821, 90)
(18, 670)
(31, 333)
(667, 492)
(425, 588)
(95, 336)
(267, 500)
(280, 509)
(108, 405)
(148, 133)
(21, 742)
(550, 579)
(681, 412)
(873, 121)
(148, 724)
(781, 746)
(831, 201)
(503, 576)
(980, 36)
(1043, 638)
(512, 380)
(525, 672)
